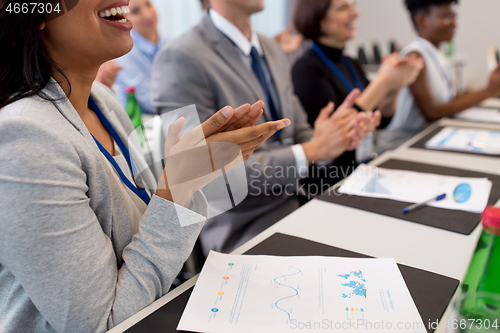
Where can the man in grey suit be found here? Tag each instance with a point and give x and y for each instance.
(222, 61)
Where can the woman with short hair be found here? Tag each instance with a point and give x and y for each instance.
(434, 94)
(325, 74)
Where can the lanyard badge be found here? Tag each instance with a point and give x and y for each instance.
(141, 193)
(337, 71)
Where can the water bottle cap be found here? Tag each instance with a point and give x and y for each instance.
(129, 90)
(491, 218)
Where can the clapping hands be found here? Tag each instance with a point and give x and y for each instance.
(340, 131)
(224, 141)
(397, 72)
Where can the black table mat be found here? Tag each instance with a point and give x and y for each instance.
(431, 292)
(421, 143)
(447, 219)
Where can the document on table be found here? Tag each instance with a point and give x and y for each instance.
(484, 115)
(467, 194)
(265, 294)
(467, 140)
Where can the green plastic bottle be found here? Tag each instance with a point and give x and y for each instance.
(134, 112)
(483, 274)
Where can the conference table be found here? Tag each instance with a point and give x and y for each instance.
(412, 244)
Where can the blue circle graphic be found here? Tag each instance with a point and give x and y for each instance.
(462, 193)
(215, 310)
(231, 264)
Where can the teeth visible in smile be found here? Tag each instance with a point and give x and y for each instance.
(122, 21)
(123, 10)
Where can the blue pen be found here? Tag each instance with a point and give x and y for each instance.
(418, 205)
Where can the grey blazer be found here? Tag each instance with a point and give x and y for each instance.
(203, 67)
(68, 259)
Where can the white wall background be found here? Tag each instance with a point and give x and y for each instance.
(478, 27)
(177, 16)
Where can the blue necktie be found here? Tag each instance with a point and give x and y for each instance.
(259, 72)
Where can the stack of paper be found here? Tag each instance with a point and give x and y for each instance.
(467, 194)
(237, 294)
(467, 140)
(483, 115)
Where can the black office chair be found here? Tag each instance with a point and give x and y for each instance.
(377, 55)
(362, 59)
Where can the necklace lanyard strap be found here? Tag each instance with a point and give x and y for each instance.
(141, 193)
(105, 122)
(337, 71)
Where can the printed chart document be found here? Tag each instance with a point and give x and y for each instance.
(483, 115)
(248, 294)
(467, 194)
(467, 140)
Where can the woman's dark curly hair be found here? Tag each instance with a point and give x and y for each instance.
(416, 6)
(25, 65)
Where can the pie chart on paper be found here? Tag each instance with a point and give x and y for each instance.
(462, 193)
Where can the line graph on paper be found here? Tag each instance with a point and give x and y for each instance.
(286, 283)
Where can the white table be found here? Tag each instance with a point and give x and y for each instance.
(493, 103)
(412, 244)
